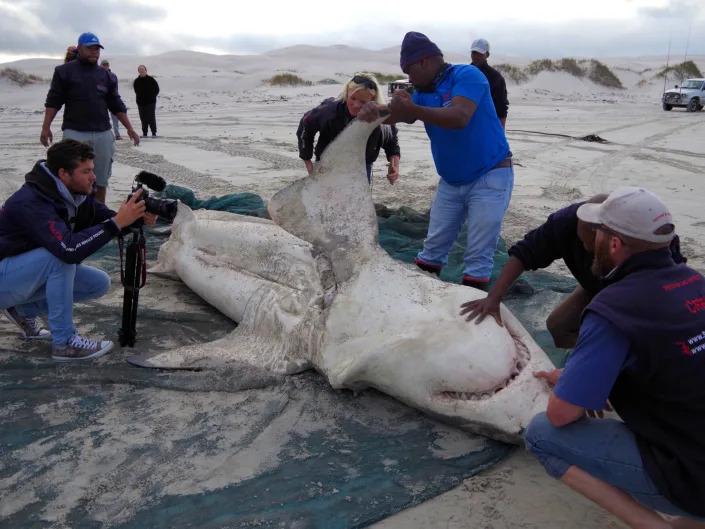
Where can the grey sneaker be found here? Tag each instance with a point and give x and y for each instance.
(30, 328)
(79, 348)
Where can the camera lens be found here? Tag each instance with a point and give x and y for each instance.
(165, 208)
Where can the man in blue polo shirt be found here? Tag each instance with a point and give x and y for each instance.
(469, 149)
(642, 346)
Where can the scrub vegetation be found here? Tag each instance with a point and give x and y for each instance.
(592, 69)
(287, 79)
(19, 77)
(682, 71)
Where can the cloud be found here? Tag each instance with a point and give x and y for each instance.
(128, 27)
(49, 26)
(638, 37)
(675, 10)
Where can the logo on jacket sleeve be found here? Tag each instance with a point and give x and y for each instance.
(54, 231)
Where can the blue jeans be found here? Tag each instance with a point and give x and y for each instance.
(38, 283)
(605, 449)
(483, 203)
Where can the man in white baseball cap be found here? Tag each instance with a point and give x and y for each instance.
(642, 346)
(479, 53)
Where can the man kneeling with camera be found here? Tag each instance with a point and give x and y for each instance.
(47, 228)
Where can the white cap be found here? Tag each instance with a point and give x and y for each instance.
(480, 46)
(631, 211)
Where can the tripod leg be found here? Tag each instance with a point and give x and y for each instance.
(127, 331)
(135, 295)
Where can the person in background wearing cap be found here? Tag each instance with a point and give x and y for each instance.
(479, 53)
(642, 347)
(146, 92)
(88, 91)
(330, 118)
(469, 149)
(116, 124)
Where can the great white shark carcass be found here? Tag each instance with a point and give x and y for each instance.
(312, 288)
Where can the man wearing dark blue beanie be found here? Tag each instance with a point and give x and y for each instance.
(469, 149)
(416, 47)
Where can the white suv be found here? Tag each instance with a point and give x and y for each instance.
(690, 95)
(404, 84)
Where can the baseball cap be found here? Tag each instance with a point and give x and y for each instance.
(89, 39)
(631, 211)
(480, 46)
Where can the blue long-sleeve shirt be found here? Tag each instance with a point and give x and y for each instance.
(88, 92)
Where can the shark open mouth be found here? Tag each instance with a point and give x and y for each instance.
(522, 360)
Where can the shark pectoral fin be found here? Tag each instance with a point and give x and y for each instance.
(195, 357)
(189, 358)
(241, 347)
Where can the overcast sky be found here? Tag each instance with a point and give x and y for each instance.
(539, 28)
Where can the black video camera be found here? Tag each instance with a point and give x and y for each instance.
(164, 208)
(134, 274)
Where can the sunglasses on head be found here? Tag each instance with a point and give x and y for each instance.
(364, 81)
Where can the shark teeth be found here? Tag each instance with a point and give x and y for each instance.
(484, 395)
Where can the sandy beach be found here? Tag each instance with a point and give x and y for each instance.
(223, 130)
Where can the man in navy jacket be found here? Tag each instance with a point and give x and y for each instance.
(88, 93)
(47, 228)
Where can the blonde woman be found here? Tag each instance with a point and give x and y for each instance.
(333, 115)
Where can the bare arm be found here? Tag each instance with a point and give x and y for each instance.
(489, 306)
(122, 116)
(559, 411)
(46, 137)
(456, 116)
(402, 109)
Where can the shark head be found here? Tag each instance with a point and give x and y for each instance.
(414, 346)
(332, 208)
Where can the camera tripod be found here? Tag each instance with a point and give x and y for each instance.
(133, 278)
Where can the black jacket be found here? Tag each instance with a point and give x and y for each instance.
(36, 216)
(328, 120)
(498, 89)
(88, 91)
(146, 90)
(557, 238)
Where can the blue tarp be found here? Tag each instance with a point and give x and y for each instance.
(106, 444)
